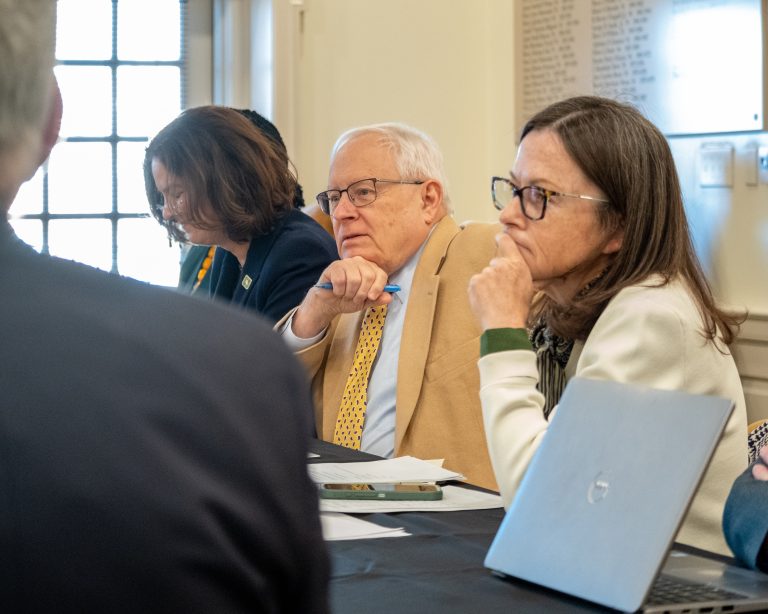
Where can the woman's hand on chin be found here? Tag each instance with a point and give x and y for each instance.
(500, 295)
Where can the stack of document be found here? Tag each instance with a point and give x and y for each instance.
(401, 470)
(340, 526)
(404, 469)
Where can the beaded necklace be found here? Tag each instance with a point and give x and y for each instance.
(206, 264)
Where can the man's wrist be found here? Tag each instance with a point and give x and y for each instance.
(305, 325)
(295, 343)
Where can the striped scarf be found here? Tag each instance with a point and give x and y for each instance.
(552, 354)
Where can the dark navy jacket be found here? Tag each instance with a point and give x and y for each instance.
(145, 465)
(279, 269)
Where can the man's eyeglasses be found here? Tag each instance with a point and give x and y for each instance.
(533, 199)
(360, 193)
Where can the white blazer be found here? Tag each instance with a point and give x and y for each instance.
(649, 336)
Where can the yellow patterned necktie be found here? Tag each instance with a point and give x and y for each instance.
(351, 416)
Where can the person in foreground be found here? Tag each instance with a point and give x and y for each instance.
(390, 211)
(219, 176)
(745, 522)
(596, 262)
(133, 481)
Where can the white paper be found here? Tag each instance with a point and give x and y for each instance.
(435, 461)
(340, 526)
(401, 469)
(455, 498)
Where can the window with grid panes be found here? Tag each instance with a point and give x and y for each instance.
(120, 67)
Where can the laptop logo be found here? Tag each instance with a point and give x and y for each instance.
(598, 489)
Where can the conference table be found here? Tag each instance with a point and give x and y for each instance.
(438, 568)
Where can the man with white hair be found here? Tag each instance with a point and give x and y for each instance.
(143, 467)
(392, 370)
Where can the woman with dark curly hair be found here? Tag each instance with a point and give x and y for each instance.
(218, 176)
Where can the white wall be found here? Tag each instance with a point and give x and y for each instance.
(729, 224)
(443, 66)
(446, 66)
(730, 231)
(199, 56)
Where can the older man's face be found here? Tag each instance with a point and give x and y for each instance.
(392, 228)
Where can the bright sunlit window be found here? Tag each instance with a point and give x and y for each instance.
(120, 67)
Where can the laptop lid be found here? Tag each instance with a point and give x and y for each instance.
(605, 493)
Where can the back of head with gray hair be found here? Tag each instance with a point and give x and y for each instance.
(27, 43)
(416, 154)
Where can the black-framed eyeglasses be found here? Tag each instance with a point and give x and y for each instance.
(360, 193)
(533, 199)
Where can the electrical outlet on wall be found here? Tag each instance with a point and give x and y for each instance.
(762, 163)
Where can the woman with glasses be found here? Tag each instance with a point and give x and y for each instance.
(595, 276)
(221, 177)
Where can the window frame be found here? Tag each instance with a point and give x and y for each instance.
(113, 139)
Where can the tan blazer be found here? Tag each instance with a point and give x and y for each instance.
(438, 402)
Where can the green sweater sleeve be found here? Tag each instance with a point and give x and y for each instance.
(503, 339)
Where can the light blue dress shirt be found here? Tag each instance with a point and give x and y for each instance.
(380, 413)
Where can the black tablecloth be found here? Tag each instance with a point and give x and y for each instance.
(439, 568)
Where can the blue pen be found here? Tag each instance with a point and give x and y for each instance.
(388, 288)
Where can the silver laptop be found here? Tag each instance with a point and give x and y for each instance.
(604, 496)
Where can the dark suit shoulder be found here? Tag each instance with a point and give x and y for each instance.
(153, 435)
(300, 232)
(299, 254)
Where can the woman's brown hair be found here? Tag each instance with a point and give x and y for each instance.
(226, 162)
(628, 158)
